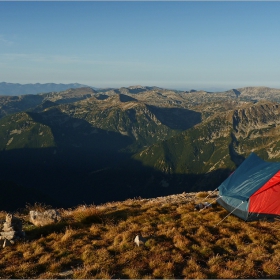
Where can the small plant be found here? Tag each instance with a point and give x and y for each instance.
(68, 234)
(40, 207)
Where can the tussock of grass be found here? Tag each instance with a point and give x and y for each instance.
(85, 214)
(97, 242)
(202, 194)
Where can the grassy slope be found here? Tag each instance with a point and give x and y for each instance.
(21, 131)
(198, 150)
(97, 242)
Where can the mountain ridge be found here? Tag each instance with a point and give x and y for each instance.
(21, 89)
(121, 143)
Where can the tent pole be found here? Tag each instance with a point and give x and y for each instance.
(229, 214)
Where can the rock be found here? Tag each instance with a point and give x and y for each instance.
(12, 229)
(8, 235)
(198, 206)
(9, 218)
(6, 227)
(66, 273)
(12, 223)
(201, 206)
(46, 218)
(139, 240)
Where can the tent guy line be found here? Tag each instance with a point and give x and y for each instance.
(228, 214)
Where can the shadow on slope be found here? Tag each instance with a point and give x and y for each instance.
(56, 171)
(101, 96)
(176, 118)
(86, 166)
(237, 92)
(45, 105)
(126, 98)
(72, 133)
(74, 177)
(132, 179)
(234, 156)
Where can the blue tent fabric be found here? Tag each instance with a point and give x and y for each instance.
(248, 178)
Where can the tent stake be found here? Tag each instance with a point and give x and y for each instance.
(229, 214)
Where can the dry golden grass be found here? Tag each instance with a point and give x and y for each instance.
(2, 215)
(97, 242)
(202, 194)
(41, 207)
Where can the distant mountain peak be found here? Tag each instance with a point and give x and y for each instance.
(136, 87)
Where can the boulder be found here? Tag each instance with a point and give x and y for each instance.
(12, 230)
(8, 235)
(44, 218)
(12, 223)
(7, 227)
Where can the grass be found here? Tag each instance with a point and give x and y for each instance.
(97, 242)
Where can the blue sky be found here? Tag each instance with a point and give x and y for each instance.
(180, 45)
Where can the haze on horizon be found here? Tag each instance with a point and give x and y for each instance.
(178, 45)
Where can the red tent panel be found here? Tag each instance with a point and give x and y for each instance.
(266, 199)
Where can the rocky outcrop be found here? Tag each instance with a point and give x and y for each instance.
(11, 231)
(44, 218)
(256, 128)
(259, 116)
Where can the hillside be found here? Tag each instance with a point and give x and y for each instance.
(84, 141)
(219, 142)
(94, 242)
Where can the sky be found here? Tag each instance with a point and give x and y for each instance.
(179, 45)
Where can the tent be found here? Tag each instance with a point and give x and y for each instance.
(252, 192)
